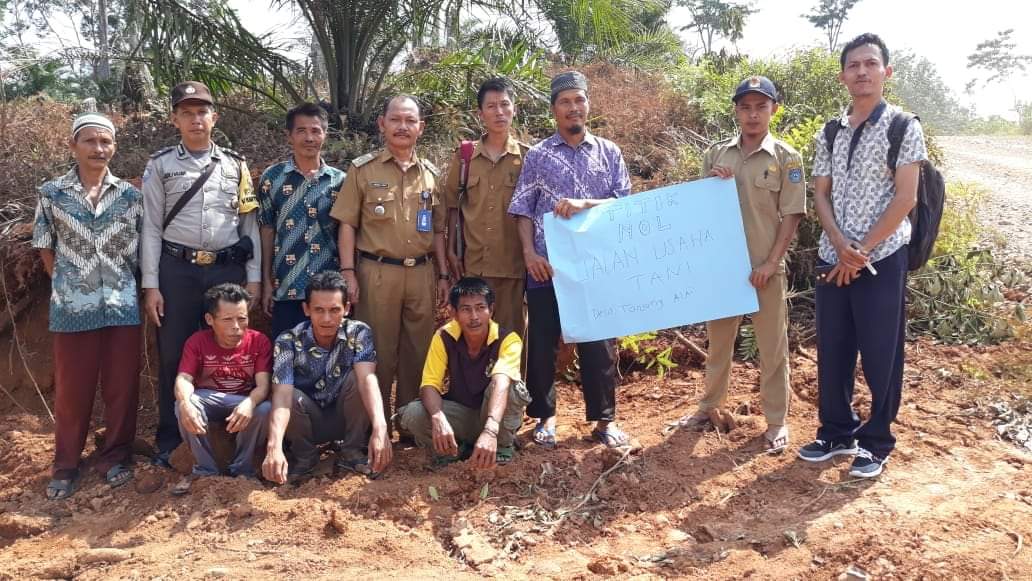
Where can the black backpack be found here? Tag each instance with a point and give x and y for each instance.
(931, 191)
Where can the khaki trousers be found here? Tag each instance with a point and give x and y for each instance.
(770, 324)
(398, 303)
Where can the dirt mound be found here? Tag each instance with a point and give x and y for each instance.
(954, 502)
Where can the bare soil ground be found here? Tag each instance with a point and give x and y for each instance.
(955, 501)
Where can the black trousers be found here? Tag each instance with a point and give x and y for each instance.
(286, 315)
(182, 285)
(597, 362)
(867, 316)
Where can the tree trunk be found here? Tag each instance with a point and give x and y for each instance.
(103, 70)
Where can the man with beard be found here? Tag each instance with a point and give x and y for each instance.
(567, 173)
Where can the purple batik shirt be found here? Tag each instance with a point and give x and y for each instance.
(552, 170)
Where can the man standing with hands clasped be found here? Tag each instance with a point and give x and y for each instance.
(772, 195)
(863, 204)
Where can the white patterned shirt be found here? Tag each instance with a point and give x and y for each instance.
(862, 188)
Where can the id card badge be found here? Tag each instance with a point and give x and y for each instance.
(423, 221)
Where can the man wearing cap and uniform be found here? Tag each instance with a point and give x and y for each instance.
(567, 173)
(772, 195)
(200, 229)
(87, 230)
(391, 221)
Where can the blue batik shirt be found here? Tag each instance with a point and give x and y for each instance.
(320, 373)
(306, 236)
(96, 252)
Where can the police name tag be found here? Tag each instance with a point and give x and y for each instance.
(423, 221)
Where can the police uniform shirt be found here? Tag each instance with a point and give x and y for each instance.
(770, 186)
(492, 239)
(209, 221)
(382, 203)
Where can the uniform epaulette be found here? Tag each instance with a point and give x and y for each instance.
(430, 167)
(364, 159)
(162, 151)
(785, 147)
(233, 154)
(524, 145)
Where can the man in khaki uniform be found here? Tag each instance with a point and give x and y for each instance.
(490, 236)
(391, 221)
(772, 194)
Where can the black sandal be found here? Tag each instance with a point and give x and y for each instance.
(118, 475)
(62, 488)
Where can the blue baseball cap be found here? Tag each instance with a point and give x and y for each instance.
(756, 84)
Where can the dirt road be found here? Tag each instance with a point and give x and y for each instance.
(1002, 165)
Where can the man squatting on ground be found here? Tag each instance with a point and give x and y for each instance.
(477, 414)
(87, 229)
(223, 377)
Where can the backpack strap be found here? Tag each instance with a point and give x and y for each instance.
(831, 129)
(897, 130)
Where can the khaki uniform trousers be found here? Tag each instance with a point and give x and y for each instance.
(398, 303)
(770, 324)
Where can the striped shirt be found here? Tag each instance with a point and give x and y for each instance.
(96, 252)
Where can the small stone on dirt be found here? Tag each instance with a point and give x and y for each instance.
(546, 568)
(854, 573)
(103, 555)
(677, 536)
(338, 521)
(16, 526)
(607, 566)
(58, 570)
(218, 572)
(148, 483)
(242, 510)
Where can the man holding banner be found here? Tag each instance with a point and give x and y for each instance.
(567, 173)
(772, 195)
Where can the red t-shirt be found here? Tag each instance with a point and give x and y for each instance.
(226, 370)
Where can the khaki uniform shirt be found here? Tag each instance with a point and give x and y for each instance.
(382, 203)
(492, 240)
(209, 221)
(770, 186)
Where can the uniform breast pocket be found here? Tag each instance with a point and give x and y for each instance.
(473, 192)
(769, 189)
(381, 206)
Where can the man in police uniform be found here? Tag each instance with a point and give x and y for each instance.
(491, 239)
(391, 220)
(211, 239)
(772, 194)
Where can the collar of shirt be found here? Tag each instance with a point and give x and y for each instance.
(766, 145)
(589, 141)
(453, 329)
(511, 146)
(182, 152)
(292, 167)
(308, 336)
(70, 181)
(873, 118)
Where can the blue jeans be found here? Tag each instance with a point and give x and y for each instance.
(216, 406)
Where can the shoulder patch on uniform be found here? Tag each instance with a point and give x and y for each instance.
(362, 160)
(162, 151)
(795, 175)
(232, 153)
(431, 167)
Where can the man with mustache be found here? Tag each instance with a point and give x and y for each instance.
(490, 237)
(223, 376)
(768, 174)
(391, 224)
(567, 173)
(299, 238)
(87, 230)
(200, 229)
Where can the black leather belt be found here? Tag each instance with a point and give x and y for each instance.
(198, 257)
(395, 261)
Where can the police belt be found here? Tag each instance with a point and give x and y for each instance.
(395, 261)
(235, 254)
